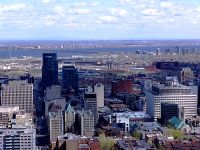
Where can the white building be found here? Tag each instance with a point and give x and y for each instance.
(18, 93)
(99, 90)
(18, 138)
(172, 93)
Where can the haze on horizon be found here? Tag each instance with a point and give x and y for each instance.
(99, 19)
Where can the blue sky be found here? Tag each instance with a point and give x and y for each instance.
(99, 19)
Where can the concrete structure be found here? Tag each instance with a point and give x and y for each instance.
(56, 122)
(6, 114)
(186, 74)
(17, 138)
(57, 101)
(90, 103)
(85, 123)
(99, 90)
(53, 92)
(171, 92)
(128, 118)
(18, 93)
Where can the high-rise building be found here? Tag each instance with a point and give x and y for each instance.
(56, 123)
(186, 74)
(18, 93)
(90, 103)
(85, 123)
(17, 138)
(99, 90)
(70, 79)
(49, 70)
(69, 119)
(171, 92)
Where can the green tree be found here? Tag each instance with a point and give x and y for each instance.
(136, 134)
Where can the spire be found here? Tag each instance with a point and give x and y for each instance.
(69, 108)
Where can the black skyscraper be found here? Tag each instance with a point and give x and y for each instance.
(70, 79)
(49, 70)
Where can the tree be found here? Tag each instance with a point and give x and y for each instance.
(137, 135)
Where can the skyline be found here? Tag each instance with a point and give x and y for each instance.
(99, 19)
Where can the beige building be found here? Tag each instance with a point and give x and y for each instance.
(56, 123)
(99, 90)
(18, 93)
(85, 123)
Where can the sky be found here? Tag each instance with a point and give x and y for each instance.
(99, 19)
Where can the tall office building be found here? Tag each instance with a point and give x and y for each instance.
(90, 103)
(174, 93)
(18, 93)
(99, 90)
(49, 70)
(70, 79)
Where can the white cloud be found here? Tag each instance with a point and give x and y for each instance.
(151, 12)
(107, 19)
(59, 10)
(47, 1)
(12, 7)
(79, 11)
(119, 12)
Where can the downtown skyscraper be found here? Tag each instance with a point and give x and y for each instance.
(70, 79)
(49, 70)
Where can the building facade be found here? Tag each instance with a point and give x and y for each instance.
(99, 90)
(69, 119)
(17, 138)
(49, 70)
(70, 79)
(172, 93)
(18, 93)
(90, 103)
(56, 122)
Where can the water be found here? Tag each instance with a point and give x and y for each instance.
(80, 51)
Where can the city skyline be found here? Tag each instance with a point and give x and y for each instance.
(99, 19)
